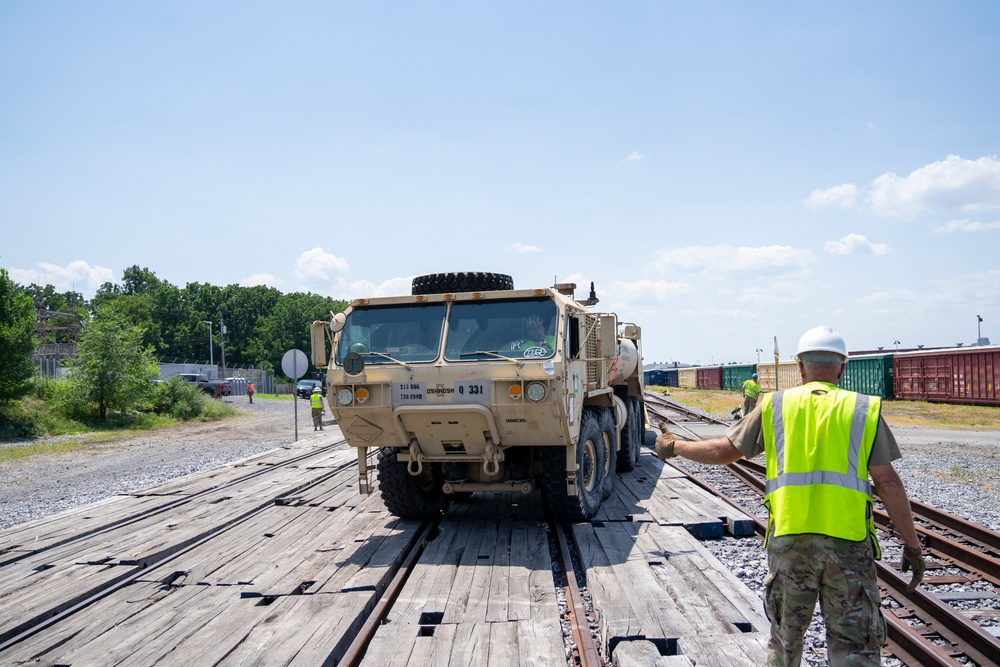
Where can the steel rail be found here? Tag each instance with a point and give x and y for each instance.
(585, 645)
(145, 514)
(46, 619)
(971, 558)
(356, 651)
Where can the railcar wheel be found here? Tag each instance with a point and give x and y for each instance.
(589, 481)
(478, 281)
(407, 496)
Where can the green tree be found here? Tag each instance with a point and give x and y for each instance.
(287, 326)
(17, 342)
(113, 369)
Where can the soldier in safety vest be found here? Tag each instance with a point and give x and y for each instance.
(821, 443)
(750, 391)
(316, 402)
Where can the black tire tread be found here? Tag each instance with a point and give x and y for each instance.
(464, 281)
(401, 491)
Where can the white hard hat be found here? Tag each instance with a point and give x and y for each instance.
(822, 339)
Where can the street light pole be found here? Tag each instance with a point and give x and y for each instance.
(759, 350)
(210, 345)
(222, 345)
(896, 343)
(979, 328)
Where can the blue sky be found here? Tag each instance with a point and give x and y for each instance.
(724, 172)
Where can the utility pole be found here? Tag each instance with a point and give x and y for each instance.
(222, 345)
(211, 361)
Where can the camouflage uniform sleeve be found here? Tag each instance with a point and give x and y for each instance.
(746, 434)
(885, 449)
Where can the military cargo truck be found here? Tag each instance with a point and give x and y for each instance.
(468, 384)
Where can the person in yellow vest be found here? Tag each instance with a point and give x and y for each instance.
(821, 443)
(316, 402)
(750, 391)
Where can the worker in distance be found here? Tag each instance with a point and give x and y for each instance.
(821, 444)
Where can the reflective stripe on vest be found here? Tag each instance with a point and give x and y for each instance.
(316, 400)
(817, 461)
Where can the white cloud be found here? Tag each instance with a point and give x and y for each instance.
(726, 259)
(635, 156)
(317, 264)
(267, 279)
(637, 291)
(77, 276)
(887, 296)
(390, 287)
(776, 293)
(951, 184)
(522, 248)
(969, 226)
(856, 243)
(839, 195)
(870, 125)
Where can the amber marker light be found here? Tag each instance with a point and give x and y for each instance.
(361, 394)
(515, 391)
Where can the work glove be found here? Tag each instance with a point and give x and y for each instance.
(913, 557)
(665, 444)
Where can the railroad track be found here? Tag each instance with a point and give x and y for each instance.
(923, 628)
(280, 560)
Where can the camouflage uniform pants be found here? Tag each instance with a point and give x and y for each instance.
(317, 418)
(748, 405)
(842, 575)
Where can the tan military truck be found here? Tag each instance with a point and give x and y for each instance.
(470, 385)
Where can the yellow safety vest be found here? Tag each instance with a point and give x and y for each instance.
(751, 388)
(817, 441)
(316, 400)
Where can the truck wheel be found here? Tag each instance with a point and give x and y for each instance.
(589, 483)
(607, 424)
(628, 455)
(440, 283)
(407, 496)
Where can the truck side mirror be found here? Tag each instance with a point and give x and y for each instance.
(609, 336)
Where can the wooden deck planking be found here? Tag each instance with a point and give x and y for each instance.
(657, 582)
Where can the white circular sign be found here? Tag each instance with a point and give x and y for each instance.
(294, 364)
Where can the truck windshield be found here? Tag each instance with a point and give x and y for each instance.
(393, 334)
(514, 329)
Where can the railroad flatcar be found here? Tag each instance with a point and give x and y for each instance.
(870, 374)
(709, 377)
(956, 375)
(734, 375)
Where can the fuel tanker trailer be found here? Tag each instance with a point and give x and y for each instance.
(468, 384)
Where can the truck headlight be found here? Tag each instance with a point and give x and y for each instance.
(536, 391)
(345, 396)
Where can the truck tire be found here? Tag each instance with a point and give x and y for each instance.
(628, 455)
(608, 440)
(404, 495)
(440, 283)
(589, 485)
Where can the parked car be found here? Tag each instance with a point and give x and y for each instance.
(304, 388)
(215, 388)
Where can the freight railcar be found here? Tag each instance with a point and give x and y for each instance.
(687, 378)
(870, 374)
(956, 375)
(709, 377)
(780, 376)
(734, 375)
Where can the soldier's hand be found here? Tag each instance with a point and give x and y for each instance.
(665, 444)
(913, 558)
